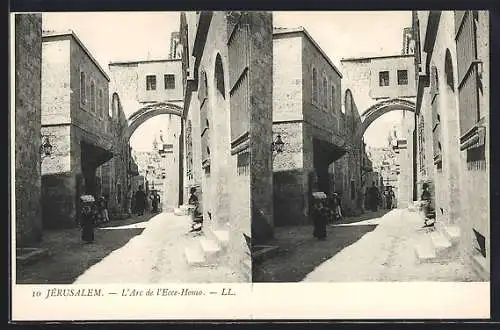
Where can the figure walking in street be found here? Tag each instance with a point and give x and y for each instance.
(196, 217)
(319, 215)
(429, 212)
(87, 217)
(337, 207)
(102, 208)
(155, 201)
(373, 197)
(389, 197)
(128, 201)
(140, 201)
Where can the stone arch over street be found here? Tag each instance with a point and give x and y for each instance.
(137, 118)
(377, 110)
(151, 110)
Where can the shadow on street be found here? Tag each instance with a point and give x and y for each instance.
(300, 253)
(69, 257)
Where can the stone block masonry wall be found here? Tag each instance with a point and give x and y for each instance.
(97, 121)
(287, 79)
(196, 170)
(475, 176)
(289, 178)
(58, 181)
(261, 123)
(59, 201)
(124, 80)
(56, 82)
(28, 63)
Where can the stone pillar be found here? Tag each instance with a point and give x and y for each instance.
(28, 58)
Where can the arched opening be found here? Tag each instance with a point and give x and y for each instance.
(325, 92)
(161, 166)
(392, 156)
(447, 146)
(314, 85)
(113, 109)
(379, 109)
(219, 76)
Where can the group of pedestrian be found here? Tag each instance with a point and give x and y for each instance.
(141, 201)
(94, 211)
(373, 198)
(389, 197)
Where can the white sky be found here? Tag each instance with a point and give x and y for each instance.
(115, 36)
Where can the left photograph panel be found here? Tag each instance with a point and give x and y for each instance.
(136, 156)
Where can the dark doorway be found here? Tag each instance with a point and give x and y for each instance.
(324, 154)
(91, 158)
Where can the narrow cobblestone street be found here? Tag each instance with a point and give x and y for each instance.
(373, 247)
(69, 257)
(387, 254)
(156, 256)
(137, 250)
(300, 253)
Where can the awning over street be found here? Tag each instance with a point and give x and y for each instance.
(326, 151)
(94, 155)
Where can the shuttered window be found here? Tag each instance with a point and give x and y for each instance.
(239, 90)
(204, 123)
(468, 92)
(436, 117)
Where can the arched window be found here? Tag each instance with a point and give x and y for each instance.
(219, 76)
(347, 101)
(314, 85)
(448, 69)
(92, 96)
(325, 92)
(83, 94)
(332, 99)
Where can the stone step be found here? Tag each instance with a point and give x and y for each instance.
(452, 233)
(179, 211)
(185, 207)
(425, 252)
(209, 247)
(222, 237)
(439, 241)
(194, 256)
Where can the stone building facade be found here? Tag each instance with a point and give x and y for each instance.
(27, 125)
(227, 66)
(150, 82)
(373, 79)
(380, 85)
(75, 118)
(452, 66)
(323, 148)
(147, 81)
(114, 177)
